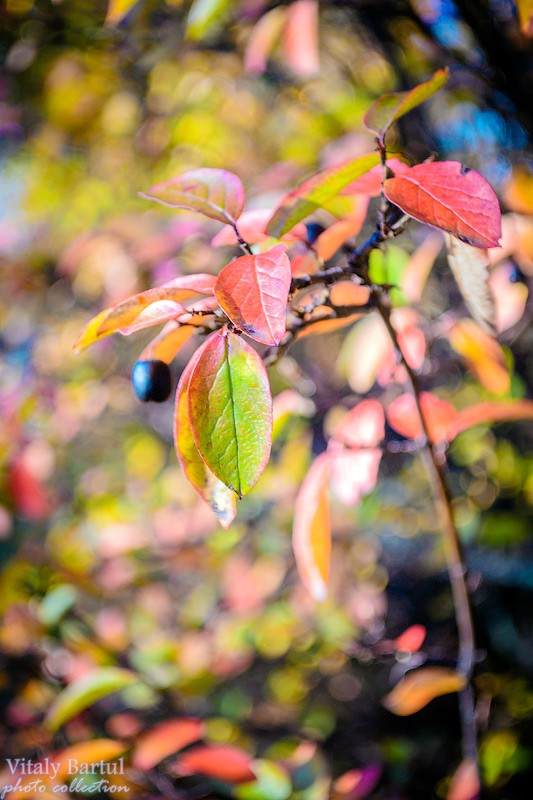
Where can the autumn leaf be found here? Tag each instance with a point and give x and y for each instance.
(202, 15)
(440, 416)
(353, 473)
(363, 425)
(335, 236)
(419, 687)
(223, 762)
(123, 314)
(91, 752)
(169, 736)
(509, 296)
(252, 226)
(263, 38)
(525, 16)
(311, 533)
(370, 183)
(253, 291)
(316, 192)
(390, 107)
(465, 783)
(411, 639)
(300, 38)
(470, 267)
(117, 10)
(451, 198)
(85, 691)
(418, 267)
(482, 354)
(165, 346)
(230, 411)
(217, 496)
(215, 193)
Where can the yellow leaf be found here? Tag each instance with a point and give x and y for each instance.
(420, 687)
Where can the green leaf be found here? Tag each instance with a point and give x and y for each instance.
(390, 107)
(202, 14)
(230, 411)
(56, 603)
(272, 783)
(317, 192)
(85, 691)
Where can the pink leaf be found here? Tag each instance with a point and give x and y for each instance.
(223, 762)
(363, 426)
(215, 193)
(300, 38)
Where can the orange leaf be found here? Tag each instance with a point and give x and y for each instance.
(439, 415)
(451, 198)
(300, 38)
(482, 354)
(124, 313)
(327, 325)
(164, 739)
(465, 782)
(349, 293)
(311, 535)
(90, 752)
(482, 413)
(419, 687)
(253, 291)
(334, 237)
(165, 346)
(411, 639)
(223, 762)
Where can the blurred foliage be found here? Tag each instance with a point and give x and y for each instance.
(109, 559)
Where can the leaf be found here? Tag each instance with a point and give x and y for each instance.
(117, 10)
(217, 496)
(230, 411)
(356, 784)
(525, 16)
(390, 107)
(85, 691)
(465, 782)
(470, 267)
(483, 413)
(411, 639)
(215, 193)
(254, 290)
(92, 752)
(202, 15)
(223, 762)
(334, 237)
(154, 314)
(451, 198)
(300, 38)
(482, 354)
(263, 39)
(439, 415)
(370, 183)
(327, 325)
(271, 783)
(316, 192)
(510, 297)
(364, 353)
(124, 313)
(165, 346)
(354, 473)
(163, 739)
(252, 226)
(311, 533)
(418, 267)
(419, 687)
(363, 426)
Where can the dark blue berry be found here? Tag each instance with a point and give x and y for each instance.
(313, 231)
(515, 275)
(151, 381)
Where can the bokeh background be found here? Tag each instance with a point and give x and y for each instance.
(108, 556)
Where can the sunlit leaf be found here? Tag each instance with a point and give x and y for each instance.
(363, 426)
(263, 38)
(223, 762)
(465, 782)
(419, 687)
(470, 267)
(163, 739)
(311, 534)
(370, 183)
(390, 107)
(482, 354)
(123, 314)
(364, 353)
(329, 325)
(202, 15)
(418, 267)
(154, 314)
(451, 198)
(334, 237)
(92, 752)
(117, 10)
(353, 473)
(411, 639)
(85, 691)
(272, 783)
(165, 346)
(525, 15)
(316, 192)
(215, 193)
(253, 291)
(217, 496)
(300, 38)
(230, 411)
(510, 297)
(483, 413)
(439, 416)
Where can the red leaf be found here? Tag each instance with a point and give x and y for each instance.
(449, 197)
(465, 782)
(311, 534)
(439, 416)
(300, 38)
(252, 226)
(363, 426)
(154, 314)
(411, 639)
(482, 413)
(334, 237)
(253, 291)
(164, 739)
(29, 494)
(215, 193)
(263, 39)
(217, 496)
(223, 762)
